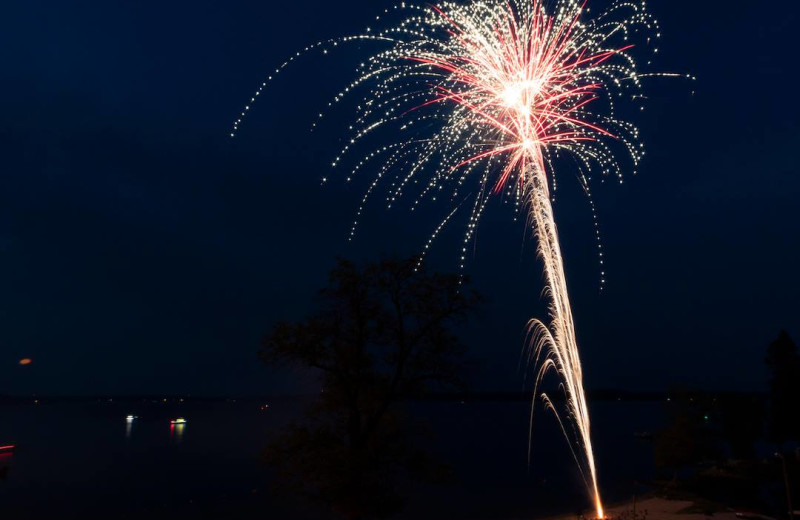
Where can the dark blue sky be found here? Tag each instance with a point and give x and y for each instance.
(143, 250)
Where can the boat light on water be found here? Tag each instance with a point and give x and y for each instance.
(130, 418)
(8, 448)
(179, 420)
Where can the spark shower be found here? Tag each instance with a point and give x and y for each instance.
(493, 97)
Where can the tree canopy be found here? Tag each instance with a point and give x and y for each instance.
(783, 363)
(381, 332)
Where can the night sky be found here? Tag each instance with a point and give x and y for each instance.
(145, 251)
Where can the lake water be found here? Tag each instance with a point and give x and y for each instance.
(83, 460)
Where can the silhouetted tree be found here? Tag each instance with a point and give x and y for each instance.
(687, 440)
(678, 445)
(742, 423)
(382, 332)
(783, 363)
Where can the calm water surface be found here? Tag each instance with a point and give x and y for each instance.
(84, 460)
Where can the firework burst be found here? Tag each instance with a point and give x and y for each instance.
(487, 97)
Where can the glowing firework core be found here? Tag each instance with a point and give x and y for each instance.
(501, 91)
(520, 96)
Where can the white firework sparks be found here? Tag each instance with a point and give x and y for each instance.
(495, 94)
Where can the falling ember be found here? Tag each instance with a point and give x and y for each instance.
(501, 94)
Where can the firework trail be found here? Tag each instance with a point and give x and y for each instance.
(489, 96)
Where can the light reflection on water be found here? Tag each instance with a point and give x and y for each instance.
(176, 431)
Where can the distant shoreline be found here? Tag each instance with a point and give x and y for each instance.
(593, 395)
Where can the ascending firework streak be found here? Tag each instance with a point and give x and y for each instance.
(500, 92)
